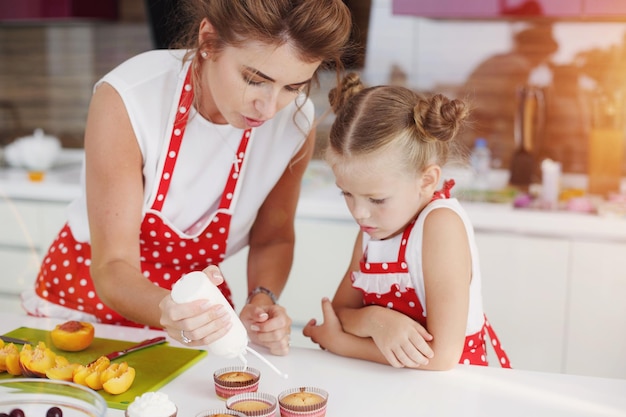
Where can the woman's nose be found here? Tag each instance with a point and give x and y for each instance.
(267, 104)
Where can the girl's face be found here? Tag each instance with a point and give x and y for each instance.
(382, 197)
(245, 86)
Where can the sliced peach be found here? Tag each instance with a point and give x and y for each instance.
(36, 361)
(90, 375)
(9, 359)
(119, 379)
(72, 336)
(79, 374)
(63, 369)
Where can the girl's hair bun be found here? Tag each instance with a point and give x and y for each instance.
(349, 86)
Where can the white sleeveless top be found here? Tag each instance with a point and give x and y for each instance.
(148, 84)
(387, 250)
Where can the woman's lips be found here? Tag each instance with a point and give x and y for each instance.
(253, 122)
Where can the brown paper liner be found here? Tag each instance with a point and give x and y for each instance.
(254, 373)
(268, 399)
(304, 408)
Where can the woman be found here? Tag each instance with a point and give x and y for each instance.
(192, 154)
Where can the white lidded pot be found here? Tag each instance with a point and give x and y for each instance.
(35, 153)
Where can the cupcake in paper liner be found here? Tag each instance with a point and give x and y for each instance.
(235, 380)
(303, 402)
(220, 412)
(253, 404)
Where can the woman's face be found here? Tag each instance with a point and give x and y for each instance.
(245, 86)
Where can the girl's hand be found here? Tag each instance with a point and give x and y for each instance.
(326, 335)
(199, 321)
(402, 340)
(268, 325)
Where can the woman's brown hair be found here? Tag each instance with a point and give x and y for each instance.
(318, 29)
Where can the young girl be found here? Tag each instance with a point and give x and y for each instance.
(412, 294)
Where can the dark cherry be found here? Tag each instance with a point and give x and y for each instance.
(54, 412)
(18, 412)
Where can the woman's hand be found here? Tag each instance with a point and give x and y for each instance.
(268, 325)
(199, 322)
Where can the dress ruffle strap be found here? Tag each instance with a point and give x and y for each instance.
(445, 190)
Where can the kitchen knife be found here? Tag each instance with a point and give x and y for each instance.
(9, 339)
(138, 346)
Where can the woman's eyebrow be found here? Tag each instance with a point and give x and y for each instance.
(268, 78)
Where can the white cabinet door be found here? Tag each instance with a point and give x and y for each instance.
(26, 230)
(322, 254)
(596, 329)
(19, 270)
(524, 296)
(52, 217)
(19, 224)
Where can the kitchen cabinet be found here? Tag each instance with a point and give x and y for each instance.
(322, 255)
(505, 9)
(524, 281)
(26, 231)
(42, 10)
(604, 8)
(596, 325)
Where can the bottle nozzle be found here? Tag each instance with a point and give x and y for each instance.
(268, 363)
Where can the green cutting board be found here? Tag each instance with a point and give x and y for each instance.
(155, 366)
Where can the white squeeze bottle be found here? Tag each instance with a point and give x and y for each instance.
(196, 285)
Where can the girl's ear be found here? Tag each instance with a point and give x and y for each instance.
(430, 179)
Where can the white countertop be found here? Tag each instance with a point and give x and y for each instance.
(359, 388)
(320, 199)
(61, 183)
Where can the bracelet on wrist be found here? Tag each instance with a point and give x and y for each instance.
(262, 290)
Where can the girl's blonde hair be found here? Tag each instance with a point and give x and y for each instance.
(374, 118)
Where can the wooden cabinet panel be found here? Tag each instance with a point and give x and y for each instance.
(57, 9)
(596, 327)
(524, 282)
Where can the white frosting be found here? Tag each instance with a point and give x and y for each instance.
(151, 404)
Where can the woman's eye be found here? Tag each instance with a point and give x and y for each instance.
(377, 200)
(253, 82)
(295, 90)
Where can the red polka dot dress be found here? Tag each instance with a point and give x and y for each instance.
(392, 285)
(166, 254)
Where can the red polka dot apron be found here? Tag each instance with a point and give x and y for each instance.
(166, 253)
(389, 284)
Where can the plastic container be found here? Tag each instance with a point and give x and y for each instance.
(480, 159)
